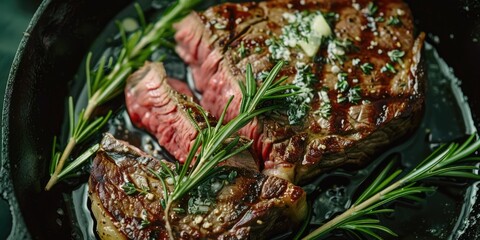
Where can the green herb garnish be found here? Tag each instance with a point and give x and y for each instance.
(372, 9)
(337, 50)
(354, 95)
(367, 68)
(203, 196)
(388, 67)
(396, 56)
(211, 144)
(453, 160)
(394, 21)
(380, 19)
(145, 222)
(242, 51)
(104, 85)
(299, 103)
(130, 189)
(342, 83)
(325, 109)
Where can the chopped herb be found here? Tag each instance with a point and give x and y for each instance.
(258, 49)
(220, 26)
(355, 61)
(367, 68)
(342, 83)
(204, 196)
(354, 95)
(372, 9)
(242, 51)
(178, 210)
(331, 18)
(380, 19)
(396, 55)
(232, 175)
(278, 50)
(391, 68)
(342, 86)
(199, 205)
(337, 50)
(145, 222)
(325, 109)
(299, 103)
(299, 33)
(298, 28)
(341, 98)
(388, 67)
(342, 76)
(130, 189)
(394, 21)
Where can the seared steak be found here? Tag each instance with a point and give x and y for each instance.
(362, 90)
(126, 200)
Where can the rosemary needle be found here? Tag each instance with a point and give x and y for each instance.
(102, 87)
(453, 160)
(211, 144)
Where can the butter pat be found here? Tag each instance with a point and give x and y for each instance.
(319, 30)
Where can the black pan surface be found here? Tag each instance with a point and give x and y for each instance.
(57, 40)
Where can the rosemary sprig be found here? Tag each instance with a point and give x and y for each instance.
(211, 144)
(453, 160)
(103, 86)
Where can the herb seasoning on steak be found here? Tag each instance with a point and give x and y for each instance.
(238, 203)
(362, 90)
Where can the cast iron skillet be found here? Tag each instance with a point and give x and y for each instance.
(58, 38)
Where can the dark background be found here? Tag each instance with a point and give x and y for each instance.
(14, 18)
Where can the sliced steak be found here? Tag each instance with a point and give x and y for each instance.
(154, 103)
(249, 205)
(367, 89)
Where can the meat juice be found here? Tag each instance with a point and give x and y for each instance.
(445, 214)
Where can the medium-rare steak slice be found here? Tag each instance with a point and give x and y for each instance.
(362, 88)
(154, 103)
(239, 203)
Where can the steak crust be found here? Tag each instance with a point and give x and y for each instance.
(251, 206)
(390, 102)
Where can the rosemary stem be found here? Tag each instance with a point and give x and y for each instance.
(72, 142)
(163, 21)
(352, 211)
(68, 149)
(168, 227)
(92, 104)
(198, 168)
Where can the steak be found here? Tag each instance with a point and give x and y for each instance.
(362, 90)
(153, 102)
(126, 200)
